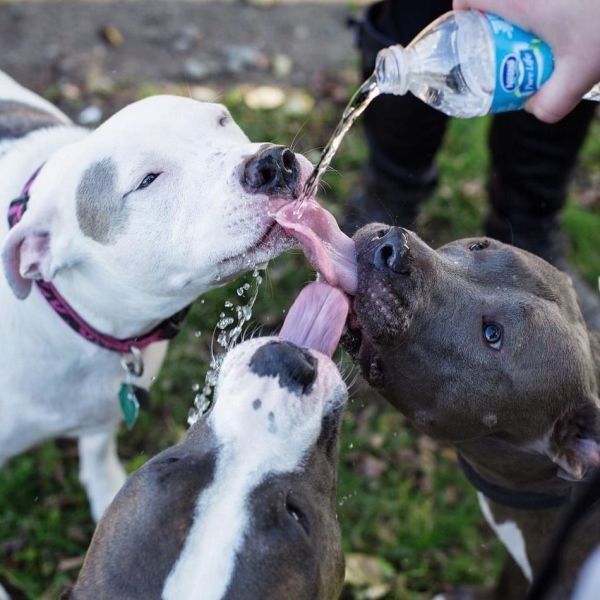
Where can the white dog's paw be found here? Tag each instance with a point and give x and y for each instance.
(100, 470)
(101, 493)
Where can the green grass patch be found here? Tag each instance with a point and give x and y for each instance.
(402, 499)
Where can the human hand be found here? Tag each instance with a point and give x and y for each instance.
(571, 30)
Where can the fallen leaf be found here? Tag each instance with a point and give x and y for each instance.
(70, 91)
(264, 97)
(363, 570)
(282, 66)
(204, 93)
(112, 36)
(68, 564)
(472, 189)
(298, 103)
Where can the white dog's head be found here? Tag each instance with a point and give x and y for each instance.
(168, 198)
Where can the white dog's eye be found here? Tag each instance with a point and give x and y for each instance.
(148, 179)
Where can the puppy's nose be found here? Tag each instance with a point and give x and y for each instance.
(273, 170)
(296, 368)
(392, 251)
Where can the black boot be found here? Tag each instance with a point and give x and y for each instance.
(531, 167)
(403, 134)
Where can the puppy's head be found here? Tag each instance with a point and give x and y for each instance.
(245, 505)
(475, 339)
(168, 197)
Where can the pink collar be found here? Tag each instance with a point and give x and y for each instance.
(166, 330)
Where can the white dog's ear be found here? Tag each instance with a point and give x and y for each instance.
(27, 255)
(575, 441)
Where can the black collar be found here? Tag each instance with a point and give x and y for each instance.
(511, 498)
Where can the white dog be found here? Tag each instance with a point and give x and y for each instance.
(130, 223)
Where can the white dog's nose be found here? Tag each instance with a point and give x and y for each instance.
(274, 171)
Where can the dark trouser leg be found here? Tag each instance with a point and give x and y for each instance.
(403, 133)
(531, 167)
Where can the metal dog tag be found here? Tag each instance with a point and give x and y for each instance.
(130, 406)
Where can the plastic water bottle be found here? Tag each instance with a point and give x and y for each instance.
(468, 63)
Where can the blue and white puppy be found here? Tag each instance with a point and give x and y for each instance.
(244, 506)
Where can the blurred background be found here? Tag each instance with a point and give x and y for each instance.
(410, 522)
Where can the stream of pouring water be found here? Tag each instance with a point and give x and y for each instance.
(229, 327)
(361, 99)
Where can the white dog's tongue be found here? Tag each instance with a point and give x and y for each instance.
(329, 250)
(317, 318)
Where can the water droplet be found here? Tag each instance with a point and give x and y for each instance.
(225, 322)
(230, 329)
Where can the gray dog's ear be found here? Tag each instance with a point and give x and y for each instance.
(575, 441)
(26, 255)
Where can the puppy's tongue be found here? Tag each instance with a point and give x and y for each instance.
(317, 318)
(329, 250)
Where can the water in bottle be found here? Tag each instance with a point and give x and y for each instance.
(467, 64)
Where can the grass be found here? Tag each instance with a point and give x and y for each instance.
(411, 525)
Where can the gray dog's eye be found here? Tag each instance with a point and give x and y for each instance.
(492, 334)
(482, 245)
(148, 179)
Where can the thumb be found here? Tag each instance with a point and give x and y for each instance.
(511, 11)
(560, 94)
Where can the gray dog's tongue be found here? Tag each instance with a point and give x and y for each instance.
(329, 250)
(317, 318)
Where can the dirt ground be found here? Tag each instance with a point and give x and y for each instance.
(54, 42)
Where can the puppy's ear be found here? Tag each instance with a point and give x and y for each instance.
(575, 441)
(27, 255)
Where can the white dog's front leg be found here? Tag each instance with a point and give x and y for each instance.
(3, 594)
(100, 470)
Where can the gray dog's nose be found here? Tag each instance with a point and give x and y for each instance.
(273, 170)
(295, 367)
(392, 251)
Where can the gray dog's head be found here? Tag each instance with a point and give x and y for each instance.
(244, 506)
(476, 339)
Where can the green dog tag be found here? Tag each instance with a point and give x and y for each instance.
(130, 407)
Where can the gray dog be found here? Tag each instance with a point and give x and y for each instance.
(244, 506)
(483, 345)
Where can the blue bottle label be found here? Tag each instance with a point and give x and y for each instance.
(523, 64)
